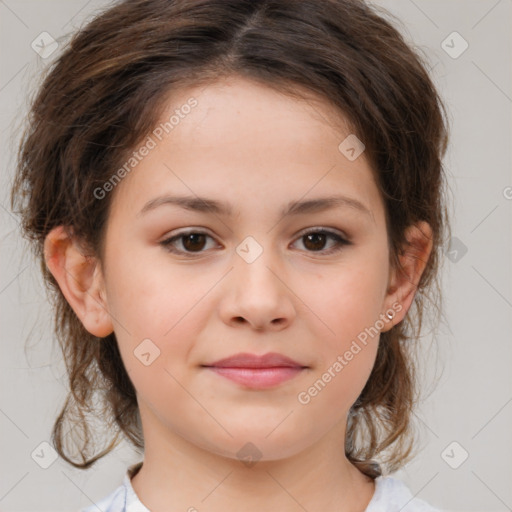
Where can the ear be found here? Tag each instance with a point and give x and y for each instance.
(80, 279)
(403, 282)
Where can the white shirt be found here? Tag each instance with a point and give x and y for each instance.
(391, 495)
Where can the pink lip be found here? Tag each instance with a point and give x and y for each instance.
(257, 372)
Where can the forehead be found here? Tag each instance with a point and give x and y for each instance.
(240, 138)
(235, 102)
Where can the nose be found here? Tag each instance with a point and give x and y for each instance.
(257, 295)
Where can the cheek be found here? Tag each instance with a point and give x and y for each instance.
(150, 297)
(349, 303)
(165, 304)
(348, 300)
(349, 307)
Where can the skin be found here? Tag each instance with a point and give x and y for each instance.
(246, 144)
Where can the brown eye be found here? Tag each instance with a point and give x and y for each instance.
(315, 241)
(194, 241)
(190, 242)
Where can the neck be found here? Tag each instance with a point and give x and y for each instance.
(180, 474)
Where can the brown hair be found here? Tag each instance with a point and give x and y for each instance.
(105, 93)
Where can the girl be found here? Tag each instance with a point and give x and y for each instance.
(237, 203)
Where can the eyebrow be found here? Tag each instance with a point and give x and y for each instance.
(203, 204)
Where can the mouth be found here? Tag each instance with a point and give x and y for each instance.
(257, 372)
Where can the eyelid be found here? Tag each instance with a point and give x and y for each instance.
(314, 229)
(187, 231)
(341, 239)
(167, 240)
(322, 229)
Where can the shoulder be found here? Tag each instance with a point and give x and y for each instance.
(392, 495)
(122, 499)
(114, 502)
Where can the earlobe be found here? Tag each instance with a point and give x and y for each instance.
(404, 281)
(80, 279)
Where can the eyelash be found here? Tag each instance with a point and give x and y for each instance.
(340, 241)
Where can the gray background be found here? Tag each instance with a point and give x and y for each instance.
(472, 402)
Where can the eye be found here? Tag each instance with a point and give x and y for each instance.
(195, 242)
(190, 241)
(315, 241)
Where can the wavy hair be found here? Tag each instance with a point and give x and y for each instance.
(105, 93)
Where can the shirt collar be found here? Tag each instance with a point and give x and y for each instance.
(133, 503)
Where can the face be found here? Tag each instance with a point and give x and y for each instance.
(221, 241)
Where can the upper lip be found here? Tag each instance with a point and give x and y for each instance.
(246, 360)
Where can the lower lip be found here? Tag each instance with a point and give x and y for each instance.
(258, 378)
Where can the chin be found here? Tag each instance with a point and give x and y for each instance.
(250, 445)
